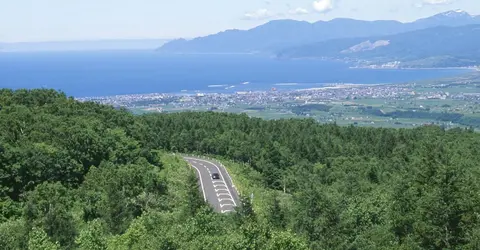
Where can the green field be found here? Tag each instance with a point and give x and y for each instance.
(420, 107)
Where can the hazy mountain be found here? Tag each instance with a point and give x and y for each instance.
(449, 18)
(279, 34)
(440, 46)
(141, 44)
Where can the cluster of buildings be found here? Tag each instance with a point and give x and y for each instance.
(158, 101)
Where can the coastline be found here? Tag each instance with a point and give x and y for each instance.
(345, 86)
(422, 68)
(380, 66)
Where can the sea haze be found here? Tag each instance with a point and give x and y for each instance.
(83, 74)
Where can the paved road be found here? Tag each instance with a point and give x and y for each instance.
(219, 193)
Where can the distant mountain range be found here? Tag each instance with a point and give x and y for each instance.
(278, 35)
(441, 46)
(135, 44)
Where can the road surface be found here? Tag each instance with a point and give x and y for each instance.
(219, 193)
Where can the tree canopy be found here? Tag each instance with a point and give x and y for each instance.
(87, 176)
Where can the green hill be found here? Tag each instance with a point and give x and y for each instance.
(86, 176)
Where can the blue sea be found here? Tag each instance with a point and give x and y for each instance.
(85, 74)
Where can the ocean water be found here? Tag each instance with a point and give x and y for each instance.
(84, 74)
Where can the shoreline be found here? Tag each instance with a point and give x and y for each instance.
(346, 86)
(378, 66)
(425, 68)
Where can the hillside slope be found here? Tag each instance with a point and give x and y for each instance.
(86, 176)
(434, 47)
(81, 176)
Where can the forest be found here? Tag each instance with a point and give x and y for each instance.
(79, 175)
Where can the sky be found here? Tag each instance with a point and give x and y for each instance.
(67, 20)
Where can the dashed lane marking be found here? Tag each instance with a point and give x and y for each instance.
(221, 175)
(225, 199)
(223, 205)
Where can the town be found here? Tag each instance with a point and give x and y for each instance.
(345, 104)
(158, 101)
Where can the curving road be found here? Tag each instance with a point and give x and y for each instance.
(219, 193)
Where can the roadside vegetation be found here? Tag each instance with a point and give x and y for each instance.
(85, 176)
(82, 176)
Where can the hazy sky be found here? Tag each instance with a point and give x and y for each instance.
(52, 20)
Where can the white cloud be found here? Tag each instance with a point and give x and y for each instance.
(258, 14)
(298, 11)
(434, 2)
(323, 5)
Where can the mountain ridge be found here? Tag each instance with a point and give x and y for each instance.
(280, 34)
(440, 46)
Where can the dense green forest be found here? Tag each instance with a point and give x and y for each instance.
(85, 176)
(82, 176)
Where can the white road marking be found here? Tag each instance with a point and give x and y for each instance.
(229, 177)
(222, 205)
(201, 182)
(220, 185)
(218, 181)
(218, 195)
(220, 172)
(226, 211)
(224, 199)
(222, 189)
